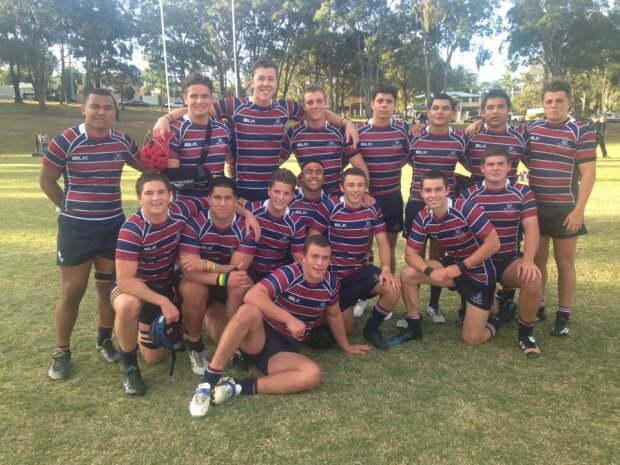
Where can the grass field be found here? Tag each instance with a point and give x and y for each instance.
(434, 402)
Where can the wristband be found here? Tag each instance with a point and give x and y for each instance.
(210, 266)
(462, 267)
(222, 279)
(428, 270)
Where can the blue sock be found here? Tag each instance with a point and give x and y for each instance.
(248, 386)
(211, 376)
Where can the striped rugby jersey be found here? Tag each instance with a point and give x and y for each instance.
(91, 168)
(305, 208)
(553, 154)
(460, 232)
(348, 231)
(306, 301)
(505, 208)
(155, 246)
(384, 150)
(441, 153)
(258, 133)
(326, 145)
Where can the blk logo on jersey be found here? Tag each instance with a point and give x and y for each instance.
(249, 120)
(79, 158)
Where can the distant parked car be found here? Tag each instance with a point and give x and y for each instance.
(138, 103)
(613, 117)
(473, 119)
(52, 95)
(177, 104)
(28, 94)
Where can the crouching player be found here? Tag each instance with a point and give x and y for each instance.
(146, 253)
(462, 229)
(279, 311)
(510, 207)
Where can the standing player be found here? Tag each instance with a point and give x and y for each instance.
(439, 148)
(90, 158)
(384, 144)
(461, 229)
(146, 253)
(269, 328)
(349, 225)
(316, 139)
(310, 195)
(283, 232)
(259, 123)
(215, 254)
(561, 154)
(510, 209)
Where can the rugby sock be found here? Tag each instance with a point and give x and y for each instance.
(494, 324)
(211, 376)
(196, 346)
(563, 311)
(526, 328)
(130, 359)
(435, 294)
(376, 318)
(508, 294)
(66, 350)
(248, 386)
(103, 334)
(414, 324)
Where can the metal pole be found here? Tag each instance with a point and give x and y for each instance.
(163, 39)
(234, 32)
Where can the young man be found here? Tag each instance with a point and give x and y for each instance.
(269, 328)
(215, 253)
(259, 123)
(439, 148)
(198, 138)
(283, 232)
(561, 155)
(310, 195)
(146, 254)
(349, 225)
(316, 139)
(384, 144)
(461, 229)
(511, 208)
(495, 108)
(90, 158)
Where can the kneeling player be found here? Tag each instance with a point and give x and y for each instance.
(509, 208)
(469, 239)
(284, 306)
(146, 252)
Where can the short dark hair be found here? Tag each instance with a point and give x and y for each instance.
(354, 171)
(102, 92)
(263, 63)
(196, 79)
(384, 88)
(318, 240)
(496, 151)
(314, 160)
(442, 96)
(149, 176)
(496, 93)
(435, 174)
(223, 181)
(312, 88)
(283, 175)
(557, 86)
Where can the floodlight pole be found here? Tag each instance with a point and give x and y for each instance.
(163, 39)
(234, 33)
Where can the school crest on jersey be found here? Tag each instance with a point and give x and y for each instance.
(510, 206)
(511, 148)
(118, 156)
(458, 231)
(564, 143)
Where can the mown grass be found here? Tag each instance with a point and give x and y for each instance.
(436, 402)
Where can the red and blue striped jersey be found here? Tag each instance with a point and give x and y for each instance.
(554, 153)
(348, 231)
(326, 145)
(201, 237)
(511, 140)
(155, 246)
(385, 150)
(305, 208)
(441, 153)
(188, 142)
(505, 208)
(257, 138)
(91, 168)
(460, 232)
(281, 237)
(306, 301)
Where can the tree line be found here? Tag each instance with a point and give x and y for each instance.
(348, 47)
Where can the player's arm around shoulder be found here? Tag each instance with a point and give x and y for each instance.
(336, 324)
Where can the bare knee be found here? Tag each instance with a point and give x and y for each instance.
(127, 309)
(473, 340)
(153, 356)
(311, 375)
(409, 275)
(194, 294)
(247, 315)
